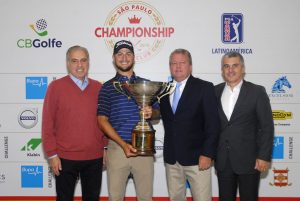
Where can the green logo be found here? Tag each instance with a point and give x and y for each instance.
(41, 26)
(32, 144)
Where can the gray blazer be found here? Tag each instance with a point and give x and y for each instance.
(249, 133)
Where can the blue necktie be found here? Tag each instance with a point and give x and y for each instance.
(176, 97)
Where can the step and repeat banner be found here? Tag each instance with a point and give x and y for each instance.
(36, 34)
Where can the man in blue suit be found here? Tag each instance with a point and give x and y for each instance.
(191, 131)
(247, 130)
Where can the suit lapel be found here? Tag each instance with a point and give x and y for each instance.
(168, 104)
(220, 90)
(185, 93)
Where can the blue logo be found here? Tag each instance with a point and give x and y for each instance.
(32, 176)
(232, 28)
(279, 84)
(36, 87)
(278, 148)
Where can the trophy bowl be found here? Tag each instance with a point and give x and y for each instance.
(145, 93)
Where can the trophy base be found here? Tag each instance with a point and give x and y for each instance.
(143, 142)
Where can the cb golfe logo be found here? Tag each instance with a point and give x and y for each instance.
(40, 27)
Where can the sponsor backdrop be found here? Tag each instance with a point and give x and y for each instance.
(35, 36)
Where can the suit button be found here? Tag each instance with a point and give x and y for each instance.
(227, 144)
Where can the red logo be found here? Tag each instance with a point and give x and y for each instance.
(281, 178)
(134, 20)
(138, 22)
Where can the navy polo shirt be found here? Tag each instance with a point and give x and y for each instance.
(122, 113)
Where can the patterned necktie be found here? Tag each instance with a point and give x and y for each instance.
(176, 97)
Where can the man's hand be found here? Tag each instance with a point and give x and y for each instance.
(262, 165)
(129, 150)
(204, 163)
(55, 164)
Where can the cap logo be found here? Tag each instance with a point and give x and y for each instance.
(123, 43)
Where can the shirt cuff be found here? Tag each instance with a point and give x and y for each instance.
(52, 156)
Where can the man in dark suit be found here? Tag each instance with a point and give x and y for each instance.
(191, 131)
(247, 131)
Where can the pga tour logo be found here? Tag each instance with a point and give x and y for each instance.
(232, 28)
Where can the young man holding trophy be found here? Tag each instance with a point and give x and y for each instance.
(118, 114)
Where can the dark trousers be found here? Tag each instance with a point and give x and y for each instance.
(229, 182)
(90, 174)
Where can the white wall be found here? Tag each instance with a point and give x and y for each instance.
(271, 46)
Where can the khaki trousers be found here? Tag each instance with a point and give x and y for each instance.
(118, 169)
(200, 182)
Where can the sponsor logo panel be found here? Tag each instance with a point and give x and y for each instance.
(36, 87)
(232, 35)
(28, 117)
(232, 28)
(40, 30)
(139, 22)
(278, 147)
(31, 176)
(280, 178)
(281, 89)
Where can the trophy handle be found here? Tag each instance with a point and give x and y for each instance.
(167, 90)
(118, 86)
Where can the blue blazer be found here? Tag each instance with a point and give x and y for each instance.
(194, 129)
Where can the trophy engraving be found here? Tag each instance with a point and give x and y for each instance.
(145, 93)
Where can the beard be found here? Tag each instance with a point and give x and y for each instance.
(126, 69)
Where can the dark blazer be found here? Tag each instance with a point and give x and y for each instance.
(194, 129)
(248, 135)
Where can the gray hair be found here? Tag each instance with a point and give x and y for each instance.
(233, 54)
(74, 48)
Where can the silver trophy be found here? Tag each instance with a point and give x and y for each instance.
(145, 93)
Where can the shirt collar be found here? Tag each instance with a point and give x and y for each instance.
(237, 87)
(79, 82)
(122, 78)
(183, 82)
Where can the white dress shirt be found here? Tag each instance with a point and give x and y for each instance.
(229, 98)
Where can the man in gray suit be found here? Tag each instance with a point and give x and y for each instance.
(247, 131)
